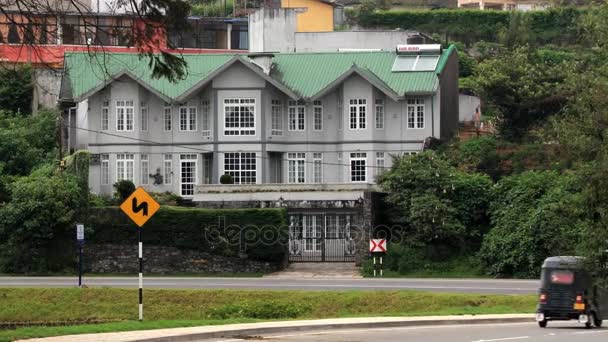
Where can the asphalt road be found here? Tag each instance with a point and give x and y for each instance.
(485, 286)
(521, 332)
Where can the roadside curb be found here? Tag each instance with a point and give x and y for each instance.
(422, 321)
(278, 327)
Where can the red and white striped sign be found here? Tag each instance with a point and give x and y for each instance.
(377, 246)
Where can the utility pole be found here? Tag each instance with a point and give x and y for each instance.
(60, 137)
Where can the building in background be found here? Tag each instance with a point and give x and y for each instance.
(313, 15)
(41, 40)
(276, 30)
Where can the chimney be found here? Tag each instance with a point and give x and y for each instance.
(263, 60)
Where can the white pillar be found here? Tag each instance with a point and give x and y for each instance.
(229, 36)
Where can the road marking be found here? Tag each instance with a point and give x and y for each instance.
(504, 339)
(590, 332)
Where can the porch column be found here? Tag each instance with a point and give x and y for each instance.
(229, 36)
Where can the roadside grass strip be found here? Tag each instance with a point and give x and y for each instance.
(60, 311)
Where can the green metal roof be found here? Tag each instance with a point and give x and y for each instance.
(305, 74)
(87, 72)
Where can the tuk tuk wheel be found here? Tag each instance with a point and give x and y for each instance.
(597, 322)
(542, 324)
(590, 321)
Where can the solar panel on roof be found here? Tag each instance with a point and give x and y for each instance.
(426, 63)
(404, 63)
(415, 63)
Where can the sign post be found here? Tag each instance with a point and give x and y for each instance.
(140, 207)
(80, 241)
(377, 247)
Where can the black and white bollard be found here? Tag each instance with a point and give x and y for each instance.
(141, 276)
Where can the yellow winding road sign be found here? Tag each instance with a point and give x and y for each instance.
(140, 206)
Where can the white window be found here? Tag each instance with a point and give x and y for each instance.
(125, 166)
(317, 171)
(297, 116)
(105, 169)
(205, 112)
(277, 118)
(296, 171)
(168, 169)
(358, 169)
(144, 117)
(145, 169)
(167, 119)
(239, 116)
(415, 113)
(187, 119)
(241, 166)
(357, 110)
(380, 162)
(318, 115)
(105, 115)
(124, 115)
(410, 153)
(379, 114)
(187, 174)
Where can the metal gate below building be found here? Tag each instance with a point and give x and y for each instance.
(320, 238)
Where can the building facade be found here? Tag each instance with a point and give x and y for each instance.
(310, 129)
(276, 30)
(314, 15)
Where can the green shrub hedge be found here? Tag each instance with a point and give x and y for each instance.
(554, 26)
(261, 234)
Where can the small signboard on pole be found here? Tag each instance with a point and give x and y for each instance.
(377, 247)
(80, 241)
(80, 233)
(140, 207)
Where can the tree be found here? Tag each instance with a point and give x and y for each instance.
(524, 87)
(25, 142)
(16, 89)
(582, 133)
(152, 19)
(435, 203)
(534, 215)
(36, 226)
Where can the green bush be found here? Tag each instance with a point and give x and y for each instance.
(37, 225)
(534, 215)
(124, 188)
(477, 155)
(219, 8)
(261, 234)
(226, 179)
(165, 198)
(96, 200)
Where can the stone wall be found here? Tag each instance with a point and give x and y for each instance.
(105, 258)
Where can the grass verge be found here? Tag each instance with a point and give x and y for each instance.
(462, 267)
(177, 308)
(161, 275)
